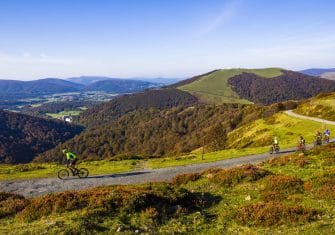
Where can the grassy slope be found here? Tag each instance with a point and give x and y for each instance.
(322, 106)
(215, 87)
(249, 139)
(219, 202)
(286, 128)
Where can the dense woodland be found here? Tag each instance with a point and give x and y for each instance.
(289, 86)
(22, 137)
(158, 133)
(160, 99)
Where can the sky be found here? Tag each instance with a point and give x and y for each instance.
(162, 38)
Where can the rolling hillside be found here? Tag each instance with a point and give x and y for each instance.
(22, 137)
(167, 132)
(262, 86)
(321, 106)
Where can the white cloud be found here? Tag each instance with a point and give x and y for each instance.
(227, 12)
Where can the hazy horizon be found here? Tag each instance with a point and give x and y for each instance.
(169, 39)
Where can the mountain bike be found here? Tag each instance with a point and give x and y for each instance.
(65, 173)
(318, 142)
(274, 148)
(326, 139)
(301, 147)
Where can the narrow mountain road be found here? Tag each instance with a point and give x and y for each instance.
(293, 114)
(36, 187)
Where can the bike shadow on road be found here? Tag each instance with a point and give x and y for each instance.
(116, 175)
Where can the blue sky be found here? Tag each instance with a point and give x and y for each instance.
(162, 38)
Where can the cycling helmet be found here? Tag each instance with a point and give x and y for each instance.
(64, 151)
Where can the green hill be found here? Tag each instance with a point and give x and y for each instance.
(255, 86)
(215, 87)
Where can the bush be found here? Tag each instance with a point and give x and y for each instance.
(120, 199)
(236, 175)
(300, 160)
(185, 178)
(10, 204)
(274, 213)
(326, 192)
(28, 167)
(283, 184)
(322, 185)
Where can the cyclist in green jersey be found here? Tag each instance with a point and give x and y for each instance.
(71, 159)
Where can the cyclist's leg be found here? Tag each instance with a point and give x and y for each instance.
(73, 165)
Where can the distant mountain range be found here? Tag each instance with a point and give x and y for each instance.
(88, 80)
(11, 89)
(317, 71)
(42, 86)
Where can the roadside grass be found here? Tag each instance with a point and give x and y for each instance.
(280, 196)
(215, 87)
(321, 106)
(44, 170)
(195, 158)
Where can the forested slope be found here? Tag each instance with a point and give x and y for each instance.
(22, 137)
(288, 86)
(158, 133)
(160, 99)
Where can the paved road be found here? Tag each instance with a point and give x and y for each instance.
(291, 113)
(36, 187)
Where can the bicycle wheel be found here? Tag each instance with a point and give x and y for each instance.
(63, 174)
(82, 173)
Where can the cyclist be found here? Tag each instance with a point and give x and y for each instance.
(302, 140)
(275, 142)
(326, 134)
(71, 159)
(275, 145)
(301, 143)
(318, 138)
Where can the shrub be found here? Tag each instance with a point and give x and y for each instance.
(121, 199)
(185, 178)
(322, 185)
(326, 192)
(28, 167)
(283, 184)
(300, 160)
(274, 213)
(10, 204)
(236, 175)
